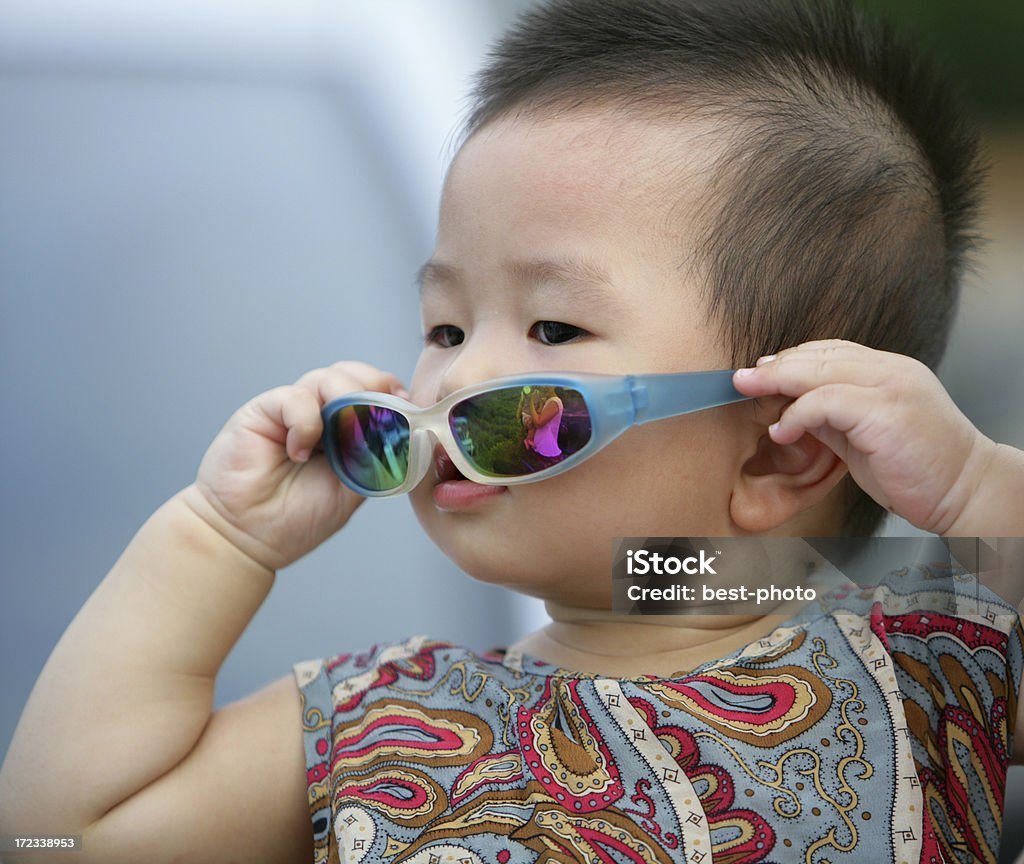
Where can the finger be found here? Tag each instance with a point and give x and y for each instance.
(793, 374)
(838, 349)
(815, 344)
(296, 411)
(768, 409)
(835, 441)
(359, 375)
(846, 408)
(374, 378)
(340, 379)
(833, 346)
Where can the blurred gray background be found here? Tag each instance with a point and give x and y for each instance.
(202, 201)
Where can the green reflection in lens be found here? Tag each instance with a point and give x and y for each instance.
(373, 446)
(514, 431)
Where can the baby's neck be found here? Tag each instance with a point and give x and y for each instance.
(603, 643)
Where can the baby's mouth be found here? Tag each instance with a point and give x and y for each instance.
(444, 468)
(453, 491)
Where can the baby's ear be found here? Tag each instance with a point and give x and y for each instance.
(779, 481)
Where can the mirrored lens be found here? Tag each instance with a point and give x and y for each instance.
(372, 445)
(514, 431)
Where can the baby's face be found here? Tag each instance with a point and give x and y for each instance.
(564, 245)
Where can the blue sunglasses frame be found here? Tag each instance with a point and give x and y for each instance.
(614, 404)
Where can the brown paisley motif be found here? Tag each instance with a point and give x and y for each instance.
(560, 837)
(532, 817)
(921, 728)
(922, 674)
(762, 707)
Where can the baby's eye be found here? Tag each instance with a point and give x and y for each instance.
(445, 335)
(555, 332)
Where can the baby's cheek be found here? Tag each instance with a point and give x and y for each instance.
(660, 481)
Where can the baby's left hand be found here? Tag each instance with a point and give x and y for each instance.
(904, 440)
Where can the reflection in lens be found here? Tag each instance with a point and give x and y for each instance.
(373, 445)
(514, 431)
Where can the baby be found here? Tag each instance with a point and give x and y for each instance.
(643, 187)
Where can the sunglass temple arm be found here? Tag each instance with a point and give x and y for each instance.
(667, 395)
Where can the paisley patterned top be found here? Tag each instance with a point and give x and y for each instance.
(873, 730)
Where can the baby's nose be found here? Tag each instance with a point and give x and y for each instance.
(474, 363)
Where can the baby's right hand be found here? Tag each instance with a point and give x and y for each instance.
(265, 483)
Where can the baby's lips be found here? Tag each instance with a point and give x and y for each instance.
(444, 468)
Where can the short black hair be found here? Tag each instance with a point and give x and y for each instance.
(852, 177)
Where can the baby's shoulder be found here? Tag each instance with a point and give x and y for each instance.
(354, 663)
(411, 667)
(933, 629)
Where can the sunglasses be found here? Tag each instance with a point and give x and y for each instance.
(510, 430)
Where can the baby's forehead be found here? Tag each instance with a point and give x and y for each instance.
(629, 157)
(623, 192)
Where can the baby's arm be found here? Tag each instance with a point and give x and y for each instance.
(120, 716)
(117, 741)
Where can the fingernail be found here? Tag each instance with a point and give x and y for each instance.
(743, 373)
(401, 391)
(765, 359)
(773, 428)
(302, 455)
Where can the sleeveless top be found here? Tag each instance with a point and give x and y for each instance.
(876, 727)
(545, 438)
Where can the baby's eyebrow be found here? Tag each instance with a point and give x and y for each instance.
(579, 278)
(436, 271)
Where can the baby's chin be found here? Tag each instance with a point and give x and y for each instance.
(504, 543)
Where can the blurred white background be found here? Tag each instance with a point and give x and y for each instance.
(201, 201)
